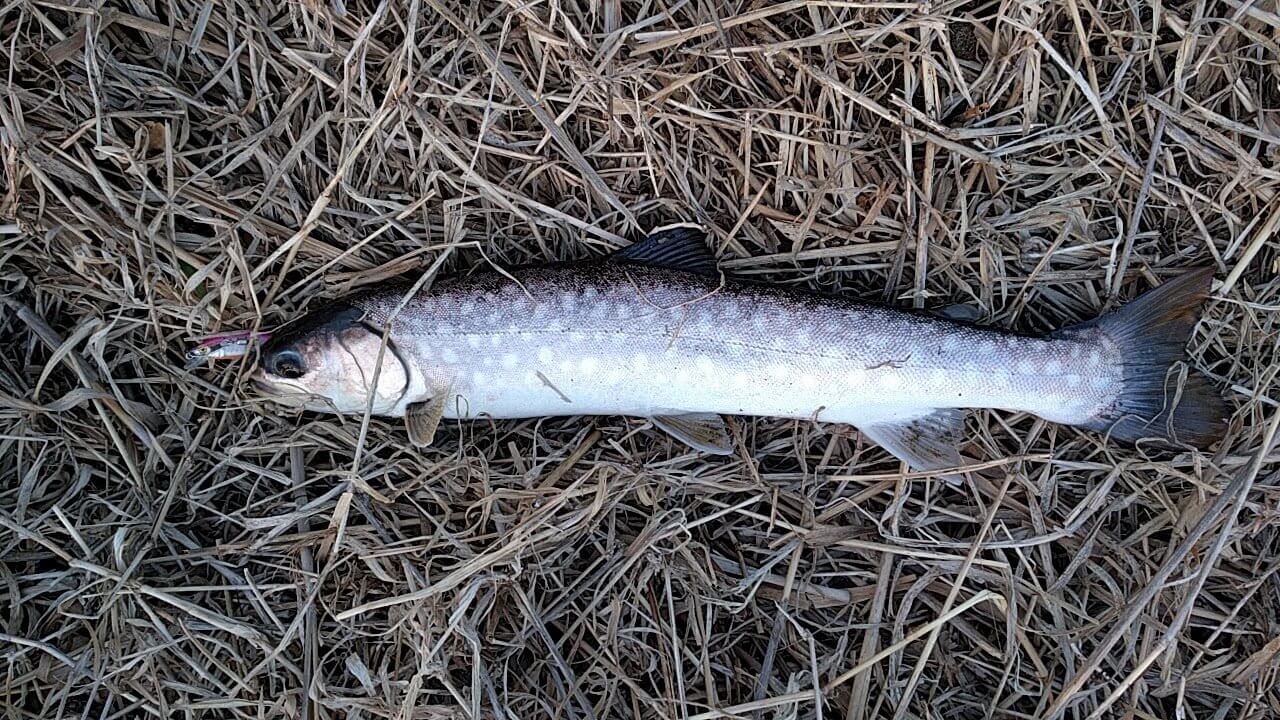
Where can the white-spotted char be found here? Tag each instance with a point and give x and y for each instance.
(656, 331)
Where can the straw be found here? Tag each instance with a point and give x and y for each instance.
(172, 547)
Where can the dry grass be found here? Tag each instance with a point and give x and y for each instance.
(172, 169)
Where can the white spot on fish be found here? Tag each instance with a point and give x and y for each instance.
(802, 337)
(545, 355)
(1072, 380)
(589, 292)
(1075, 351)
(479, 378)
(473, 341)
(448, 355)
(589, 365)
(1053, 367)
(938, 376)
(890, 381)
(950, 343)
(1101, 381)
(495, 340)
(1026, 367)
(510, 360)
(487, 361)
(566, 367)
(624, 312)
(987, 347)
(1095, 359)
(467, 307)
(601, 310)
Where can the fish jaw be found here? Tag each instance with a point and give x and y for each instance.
(296, 397)
(293, 397)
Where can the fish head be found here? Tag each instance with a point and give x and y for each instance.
(332, 360)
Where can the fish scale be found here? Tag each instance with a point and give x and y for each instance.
(638, 341)
(657, 331)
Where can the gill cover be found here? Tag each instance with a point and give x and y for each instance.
(333, 354)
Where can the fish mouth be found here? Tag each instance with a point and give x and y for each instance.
(280, 394)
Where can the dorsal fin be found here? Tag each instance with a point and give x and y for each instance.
(675, 247)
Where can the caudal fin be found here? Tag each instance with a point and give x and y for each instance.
(1162, 396)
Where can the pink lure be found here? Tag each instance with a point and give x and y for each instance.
(223, 346)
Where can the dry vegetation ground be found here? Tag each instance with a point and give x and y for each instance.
(170, 548)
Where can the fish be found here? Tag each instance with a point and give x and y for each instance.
(657, 330)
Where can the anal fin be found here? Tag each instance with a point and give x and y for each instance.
(701, 431)
(929, 442)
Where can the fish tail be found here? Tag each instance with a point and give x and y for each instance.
(1162, 396)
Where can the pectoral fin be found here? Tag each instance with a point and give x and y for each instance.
(701, 431)
(929, 442)
(422, 418)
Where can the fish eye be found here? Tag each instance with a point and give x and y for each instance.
(287, 364)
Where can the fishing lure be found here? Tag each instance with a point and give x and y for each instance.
(223, 346)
